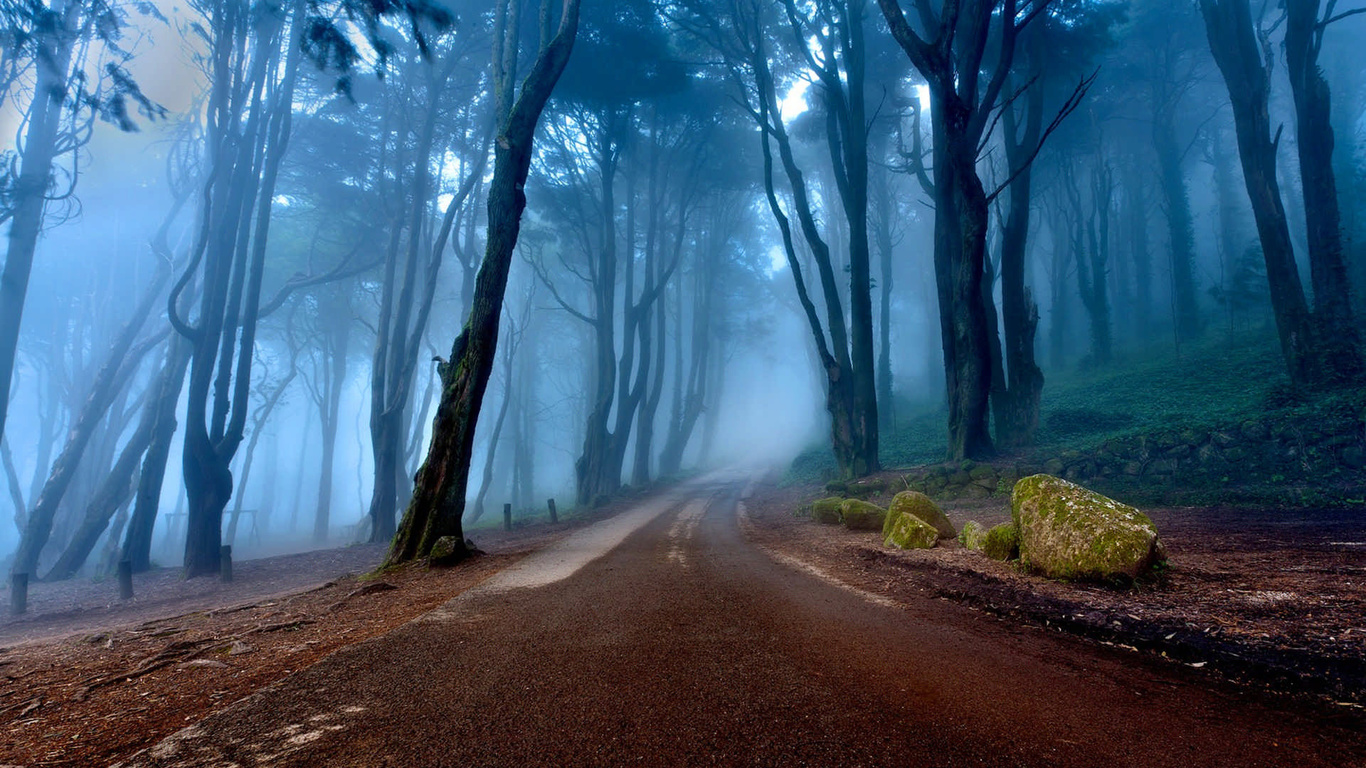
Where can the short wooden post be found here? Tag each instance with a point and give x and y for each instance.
(507, 517)
(18, 593)
(125, 579)
(225, 563)
(554, 518)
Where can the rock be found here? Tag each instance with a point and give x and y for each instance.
(972, 535)
(1053, 466)
(920, 506)
(827, 510)
(983, 472)
(238, 648)
(910, 532)
(837, 486)
(975, 491)
(447, 549)
(960, 478)
(867, 487)
(1067, 531)
(1002, 542)
(862, 516)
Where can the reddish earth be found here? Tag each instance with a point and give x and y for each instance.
(86, 679)
(688, 644)
(1276, 598)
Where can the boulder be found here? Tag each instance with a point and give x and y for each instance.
(972, 535)
(827, 510)
(447, 549)
(1002, 542)
(867, 487)
(909, 532)
(862, 516)
(1067, 531)
(920, 506)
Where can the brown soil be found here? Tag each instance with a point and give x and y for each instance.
(88, 680)
(1270, 597)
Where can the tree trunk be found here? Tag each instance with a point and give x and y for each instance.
(137, 543)
(1019, 314)
(438, 496)
(111, 495)
(1180, 228)
(1338, 342)
(1245, 67)
(31, 188)
(122, 360)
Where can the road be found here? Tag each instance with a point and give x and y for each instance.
(663, 637)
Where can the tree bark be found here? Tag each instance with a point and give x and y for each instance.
(1246, 65)
(1338, 339)
(438, 496)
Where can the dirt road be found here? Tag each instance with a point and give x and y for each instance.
(664, 637)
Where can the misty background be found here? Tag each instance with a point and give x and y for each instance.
(651, 322)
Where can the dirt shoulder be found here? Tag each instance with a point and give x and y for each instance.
(90, 681)
(1271, 598)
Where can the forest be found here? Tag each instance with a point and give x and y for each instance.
(385, 286)
(240, 238)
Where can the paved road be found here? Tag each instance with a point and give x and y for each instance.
(662, 637)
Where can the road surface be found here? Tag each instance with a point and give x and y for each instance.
(662, 637)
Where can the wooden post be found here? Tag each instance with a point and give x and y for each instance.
(225, 563)
(507, 517)
(554, 518)
(125, 579)
(18, 593)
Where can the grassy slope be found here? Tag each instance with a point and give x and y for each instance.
(1214, 382)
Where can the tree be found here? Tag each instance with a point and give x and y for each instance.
(53, 42)
(438, 501)
(1304, 30)
(965, 87)
(1245, 59)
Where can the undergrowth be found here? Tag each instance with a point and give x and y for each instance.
(1213, 382)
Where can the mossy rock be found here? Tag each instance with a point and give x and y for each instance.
(861, 515)
(865, 488)
(827, 510)
(972, 535)
(923, 508)
(837, 486)
(906, 531)
(1002, 542)
(1067, 531)
(448, 550)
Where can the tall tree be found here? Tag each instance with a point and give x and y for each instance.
(1304, 30)
(438, 500)
(1244, 56)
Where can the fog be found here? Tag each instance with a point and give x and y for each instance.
(751, 233)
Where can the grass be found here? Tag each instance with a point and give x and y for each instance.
(1212, 382)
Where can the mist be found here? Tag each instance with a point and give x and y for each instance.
(255, 244)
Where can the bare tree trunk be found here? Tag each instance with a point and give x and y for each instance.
(137, 543)
(1246, 65)
(1339, 343)
(31, 187)
(438, 497)
(118, 366)
(1180, 227)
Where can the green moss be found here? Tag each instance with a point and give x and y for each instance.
(827, 510)
(909, 532)
(1067, 531)
(1002, 542)
(923, 508)
(862, 516)
(972, 535)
